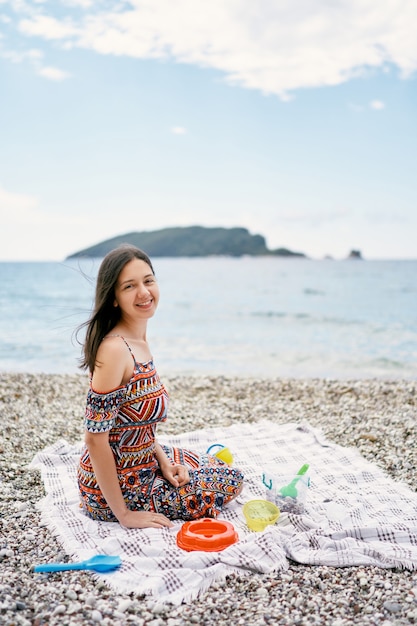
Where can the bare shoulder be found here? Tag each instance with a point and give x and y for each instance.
(113, 346)
(113, 364)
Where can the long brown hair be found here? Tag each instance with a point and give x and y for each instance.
(105, 316)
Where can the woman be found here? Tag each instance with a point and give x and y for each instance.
(124, 474)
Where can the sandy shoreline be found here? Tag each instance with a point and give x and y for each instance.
(377, 417)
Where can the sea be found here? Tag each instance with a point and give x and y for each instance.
(261, 317)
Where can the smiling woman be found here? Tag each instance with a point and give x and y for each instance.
(124, 474)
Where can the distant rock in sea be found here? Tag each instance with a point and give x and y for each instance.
(190, 241)
(355, 254)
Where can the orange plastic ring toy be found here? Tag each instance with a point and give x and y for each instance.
(207, 535)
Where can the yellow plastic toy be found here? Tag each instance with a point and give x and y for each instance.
(260, 513)
(223, 453)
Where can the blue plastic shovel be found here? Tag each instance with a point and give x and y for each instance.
(98, 563)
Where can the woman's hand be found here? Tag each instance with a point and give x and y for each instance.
(143, 519)
(177, 475)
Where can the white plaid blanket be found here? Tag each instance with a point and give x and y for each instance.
(355, 514)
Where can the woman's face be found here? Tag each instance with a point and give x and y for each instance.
(136, 290)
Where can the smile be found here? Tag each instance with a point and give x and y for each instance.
(147, 303)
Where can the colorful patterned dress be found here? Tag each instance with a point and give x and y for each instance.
(130, 414)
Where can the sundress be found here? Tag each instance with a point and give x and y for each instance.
(131, 413)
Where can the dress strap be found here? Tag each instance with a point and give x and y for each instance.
(129, 348)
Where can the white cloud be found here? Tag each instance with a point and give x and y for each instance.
(29, 232)
(178, 130)
(35, 57)
(11, 202)
(273, 47)
(48, 27)
(32, 55)
(53, 73)
(18, 209)
(377, 105)
(84, 4)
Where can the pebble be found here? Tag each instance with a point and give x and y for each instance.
(376, 416)
(158, 608)
(261, 591)
(6, 552)
(392, 607)
(20, 606)
(96, 616)
(71, 594)
(60, 609)
(124, 605)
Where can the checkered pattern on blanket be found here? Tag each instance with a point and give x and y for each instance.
(355, 514)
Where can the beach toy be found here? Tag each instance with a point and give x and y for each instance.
(295, 485)
(207, 535)
(223, 453)
(260, 513)
(97, 563)
(290, 490)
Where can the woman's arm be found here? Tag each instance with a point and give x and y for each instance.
(177, 475)
(102, 460)
(114, 364)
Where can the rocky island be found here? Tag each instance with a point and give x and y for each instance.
(190, 241)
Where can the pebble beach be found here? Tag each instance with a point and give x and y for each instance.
(378, 417)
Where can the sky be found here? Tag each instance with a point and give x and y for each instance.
(296, 119)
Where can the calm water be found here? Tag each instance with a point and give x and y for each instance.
(261, 317)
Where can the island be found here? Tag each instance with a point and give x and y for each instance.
(355, 254)
(190, 241)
